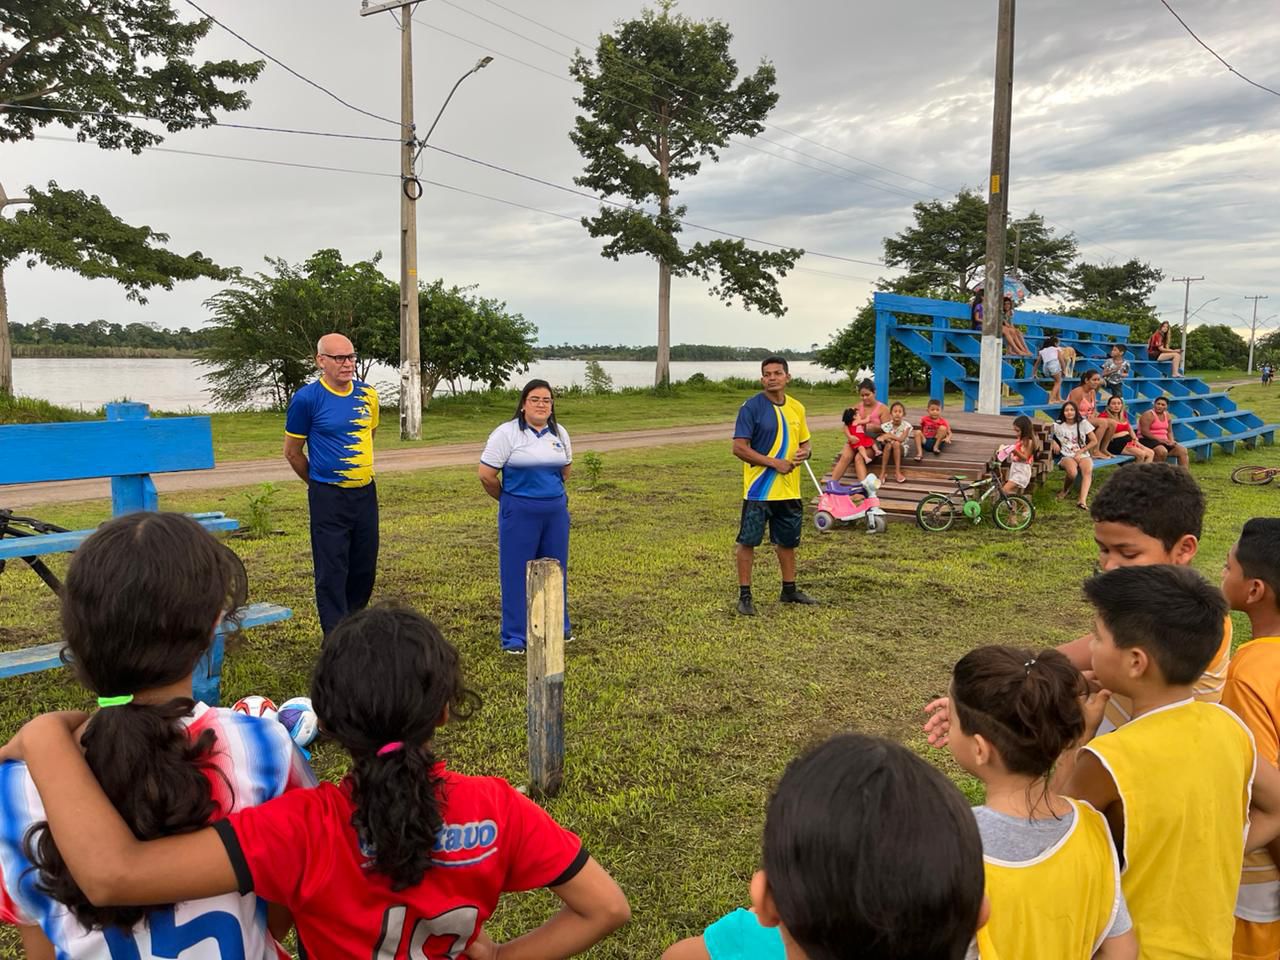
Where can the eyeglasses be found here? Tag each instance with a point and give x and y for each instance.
(340, 358)
(539, 401)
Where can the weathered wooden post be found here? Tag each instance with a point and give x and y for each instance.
(544, 654)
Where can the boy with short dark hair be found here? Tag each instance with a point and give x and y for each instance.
(1251, 584)
(1174, 782)
(934, 432)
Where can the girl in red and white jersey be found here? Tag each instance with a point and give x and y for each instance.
(142, 599)
(404, 858)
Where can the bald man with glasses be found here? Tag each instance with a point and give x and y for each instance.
(334, 417)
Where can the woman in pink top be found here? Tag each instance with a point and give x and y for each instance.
(869, 415)
(1085, 397)
(1155, 432)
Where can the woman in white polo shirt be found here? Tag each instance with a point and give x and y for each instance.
(524, 467)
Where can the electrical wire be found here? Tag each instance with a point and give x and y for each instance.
(1185, 26)
(323, 89)
(617, 203)
(463, 190)
(1084, 239)
(216, 123)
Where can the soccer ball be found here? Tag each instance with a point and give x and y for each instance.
(255, 707)
(300, 719)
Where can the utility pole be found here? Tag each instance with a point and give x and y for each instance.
(1253, 329)
(1186, 306)
(6, 343)
(990, 360)
(410, 190)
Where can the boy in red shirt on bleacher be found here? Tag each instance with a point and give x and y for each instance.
(934, 432)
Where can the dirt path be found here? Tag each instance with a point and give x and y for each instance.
(247, 472)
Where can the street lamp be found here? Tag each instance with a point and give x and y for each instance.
(1186, 323)
(480, 65)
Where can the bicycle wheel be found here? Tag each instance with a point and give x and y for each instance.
(935, 512)
(1253, 476)
(1014, 512)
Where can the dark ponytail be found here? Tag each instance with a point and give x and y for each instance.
(385, 680)
(139, 607)
(1026, 703)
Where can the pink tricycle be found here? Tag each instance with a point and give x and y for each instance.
(846, 503)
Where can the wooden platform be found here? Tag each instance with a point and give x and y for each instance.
(978, 437)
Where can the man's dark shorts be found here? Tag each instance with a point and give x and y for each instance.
(785, 518)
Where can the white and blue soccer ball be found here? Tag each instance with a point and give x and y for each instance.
(299, 718)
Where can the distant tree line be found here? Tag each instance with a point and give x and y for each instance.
(64, 337)
(681, 351)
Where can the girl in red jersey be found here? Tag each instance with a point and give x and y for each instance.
(404, 858)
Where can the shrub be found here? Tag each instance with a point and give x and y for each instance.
(592, 466)
(598, 381)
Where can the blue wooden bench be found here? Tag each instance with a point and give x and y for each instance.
(128, 446)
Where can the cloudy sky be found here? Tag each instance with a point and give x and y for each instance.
(1125, 132)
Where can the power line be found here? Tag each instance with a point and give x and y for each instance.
(1274, 93)
(856, 176)
(325, 90)
(667, 80)
(233, 126)
(463, 190)
(853, 176)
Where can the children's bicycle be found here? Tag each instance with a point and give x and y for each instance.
(1011, 511)
(1254, 476)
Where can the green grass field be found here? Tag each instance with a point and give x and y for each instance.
(680, 715)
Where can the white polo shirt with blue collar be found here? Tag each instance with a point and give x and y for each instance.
(531, 461)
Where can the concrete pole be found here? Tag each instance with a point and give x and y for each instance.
(997, 216)
(410, 349)
(1253, 329)
(1186, 307)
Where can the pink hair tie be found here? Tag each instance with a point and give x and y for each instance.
(390, 747)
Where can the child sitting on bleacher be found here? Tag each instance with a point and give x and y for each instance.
(1175, 782)
(1114, 369)
(895, 434)
(1014, 712)
(868, 852)
(1251, 584)
(934, 433)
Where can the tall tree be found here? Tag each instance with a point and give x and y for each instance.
(948, 244)
(1129, 284)
(661, 95)
(99, 62)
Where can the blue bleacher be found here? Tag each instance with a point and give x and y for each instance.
(1203, 420)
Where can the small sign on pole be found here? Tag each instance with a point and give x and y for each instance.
(544, 654)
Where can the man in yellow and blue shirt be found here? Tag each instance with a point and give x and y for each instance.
(335, 417)
(770, 438)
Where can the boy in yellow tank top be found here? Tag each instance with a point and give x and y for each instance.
(1251, 583)
(1174, 782)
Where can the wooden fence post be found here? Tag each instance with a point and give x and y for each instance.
(544, 655)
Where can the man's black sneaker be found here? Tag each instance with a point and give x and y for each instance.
(746, 607)
(798, 597)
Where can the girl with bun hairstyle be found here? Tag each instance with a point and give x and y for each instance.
(1053, 876)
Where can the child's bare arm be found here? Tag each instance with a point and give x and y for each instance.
(1264, 807)
(594, 906)
(691, 948)
(1090, 781)
(1123, 947)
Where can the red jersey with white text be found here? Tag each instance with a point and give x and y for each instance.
(302, 852)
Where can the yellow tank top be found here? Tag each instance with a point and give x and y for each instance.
(1208, 688)
(1184, 773)
(1083, 872)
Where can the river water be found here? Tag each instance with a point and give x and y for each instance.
(178, 385)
